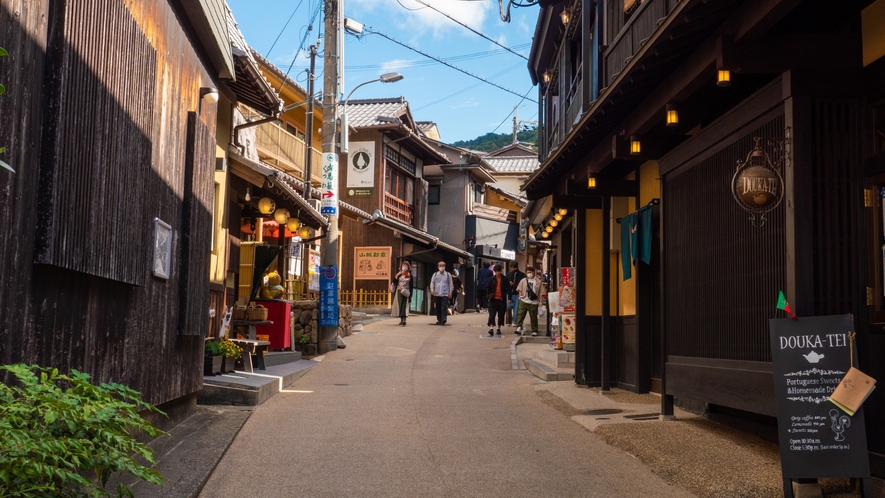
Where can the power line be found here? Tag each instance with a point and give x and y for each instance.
(524, 97)
(418, 63)
(459, 92)
(267, 56)
(316, 12)
(468, 73)
(422, 2)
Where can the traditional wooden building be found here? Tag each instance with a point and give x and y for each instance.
(109, 122)
(651, 114)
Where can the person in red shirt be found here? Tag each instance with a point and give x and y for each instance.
(498, 291)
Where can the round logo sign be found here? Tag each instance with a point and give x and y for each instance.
(757, 187)
(361, 161)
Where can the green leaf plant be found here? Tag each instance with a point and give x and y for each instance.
(4, 53)
(65, 437)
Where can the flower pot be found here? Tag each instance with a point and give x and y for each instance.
(227, 364)
(211, 365)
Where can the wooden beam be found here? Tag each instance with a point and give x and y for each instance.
(579, 202)
(620, 188)
(775, 54)
(652, 147)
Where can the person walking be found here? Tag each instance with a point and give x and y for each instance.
(441, 286)
(457, 290)
(531, 291)
(515, 277)
(482, 283)
(402, 289)
(498, 289)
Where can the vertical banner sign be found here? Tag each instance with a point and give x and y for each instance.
(810, 356)
(328, 296)
(361, 169)
(372, 263)
(567, 288)
(329, 190)
(313, 271)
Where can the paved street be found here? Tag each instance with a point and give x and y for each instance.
(422, 411)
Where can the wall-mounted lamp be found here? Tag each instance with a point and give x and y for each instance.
(266, 205)
(546, 76)
(672, 116)
(591, 182)
(248, 194)
(723, 78)
(557, 217)
(209, 94)
(545, 234)
(635, 145)
(566, 16)
(281, 216)
(563, 211)
(554, 223)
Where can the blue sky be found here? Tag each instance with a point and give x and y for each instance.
(462, 106)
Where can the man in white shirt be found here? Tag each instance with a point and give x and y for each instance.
(531, 291)
(441, 289)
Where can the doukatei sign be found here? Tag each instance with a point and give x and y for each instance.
(810, 356)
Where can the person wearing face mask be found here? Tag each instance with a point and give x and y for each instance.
(498, 289)
(402, 299)
(441, 289)
(531, 291)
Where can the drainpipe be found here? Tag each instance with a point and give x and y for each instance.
(250, 124)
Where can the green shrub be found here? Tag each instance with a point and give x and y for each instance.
(214, 348)
(64, 437)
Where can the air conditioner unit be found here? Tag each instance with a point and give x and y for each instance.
(314, 203)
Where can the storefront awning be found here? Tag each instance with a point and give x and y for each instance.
(269, 178)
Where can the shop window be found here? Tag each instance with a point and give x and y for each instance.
(291, 129)
(433, 195)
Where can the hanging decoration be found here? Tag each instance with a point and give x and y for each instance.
(758, 182)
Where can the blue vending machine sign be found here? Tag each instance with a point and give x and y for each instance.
(328, 296)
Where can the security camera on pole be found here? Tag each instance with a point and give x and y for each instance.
(328, 320)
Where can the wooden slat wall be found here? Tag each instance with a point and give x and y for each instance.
(103, 325)
(98, 119)
(356, 231)
(196, 226)
(723, 273)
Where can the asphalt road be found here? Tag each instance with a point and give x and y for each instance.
(422, 411)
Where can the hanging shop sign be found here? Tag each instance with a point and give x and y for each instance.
(372, 263)
(757, 184)
(313, 271)
(361, 169)
(329, 190)
(810, 357)
(567, 288)
(328, 314)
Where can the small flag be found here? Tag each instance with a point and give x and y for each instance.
(782, 304)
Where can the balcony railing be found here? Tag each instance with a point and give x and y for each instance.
(280, 148)
(398, 209)
(494, 212)
(633, 33)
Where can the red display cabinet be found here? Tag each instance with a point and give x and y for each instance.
(280, 313)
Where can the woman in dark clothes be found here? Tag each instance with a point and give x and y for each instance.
(402, 298)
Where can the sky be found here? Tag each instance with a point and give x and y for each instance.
(463, 107)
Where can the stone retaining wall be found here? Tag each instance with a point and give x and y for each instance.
(305, 317)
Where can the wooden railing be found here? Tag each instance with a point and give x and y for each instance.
(280, 148)
(492, 212)
(362, 298)
(630, 38)
(397, 209)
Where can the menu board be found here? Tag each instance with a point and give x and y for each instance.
(809, 358)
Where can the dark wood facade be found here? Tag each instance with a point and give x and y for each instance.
(104, 127)
(798, 74)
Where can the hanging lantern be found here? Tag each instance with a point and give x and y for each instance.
(266, 205)
(293, 224)
(545, 234)
(635, 145)
(672, 116)
(554, 223)
(557, 217)
(563, 211)
(723, 78)
(281, 216)
(304, 233)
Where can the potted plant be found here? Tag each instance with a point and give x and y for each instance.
(212, 359)
(305, 346)
(230, 352)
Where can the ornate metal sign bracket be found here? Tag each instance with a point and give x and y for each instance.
(758, 182)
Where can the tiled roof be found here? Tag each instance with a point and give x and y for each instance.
(425, 125)
(365, 112)
(512, 164)
(271, 67)
(514, 150)
(250, 86)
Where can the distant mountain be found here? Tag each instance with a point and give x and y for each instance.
(495, 141)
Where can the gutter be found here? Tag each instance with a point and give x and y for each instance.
(237, 128)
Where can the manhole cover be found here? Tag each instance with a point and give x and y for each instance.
(603, 411)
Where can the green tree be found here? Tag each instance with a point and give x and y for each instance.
(494, 141)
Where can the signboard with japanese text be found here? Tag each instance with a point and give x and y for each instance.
(372, 263)
(810, 356)
(313, 269)
(567, 288)
(329, 188)
(361, 169)
(328, 314)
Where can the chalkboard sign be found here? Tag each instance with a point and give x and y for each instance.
(328, 296)
(810, 356)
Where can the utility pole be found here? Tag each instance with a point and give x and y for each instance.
(308, 161)
(328, 335)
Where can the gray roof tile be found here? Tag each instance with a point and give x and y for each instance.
(512, 164)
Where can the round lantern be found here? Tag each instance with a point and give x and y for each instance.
(304, 233)
(266, 205)
(293, 224)
(281, 216)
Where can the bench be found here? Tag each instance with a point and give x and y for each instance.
(252, 346)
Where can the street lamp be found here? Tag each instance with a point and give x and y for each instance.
(384, 78)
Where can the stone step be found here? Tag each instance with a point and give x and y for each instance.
(548, 373)
(275, 358)
(250, 389)
(557, 358)
(541, 339)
